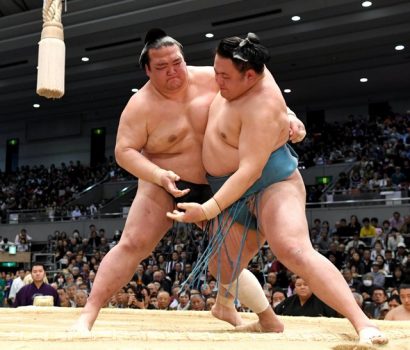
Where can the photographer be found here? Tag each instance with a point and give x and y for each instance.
(138, 297)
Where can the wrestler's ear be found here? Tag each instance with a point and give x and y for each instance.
(250, 75)
(147, 71)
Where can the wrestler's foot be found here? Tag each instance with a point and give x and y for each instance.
(372, 335)
(270, 326)
(227, 314)
(81, 326)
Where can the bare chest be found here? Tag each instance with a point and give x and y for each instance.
(225, 123)
(174, 125)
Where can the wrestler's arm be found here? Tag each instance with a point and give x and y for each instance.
(132, 136)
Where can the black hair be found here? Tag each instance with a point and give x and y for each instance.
(394, 297)
(155, 39)
(37, 264)
(404, 285)
(245, 53)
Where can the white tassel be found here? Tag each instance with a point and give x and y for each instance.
(51, 53)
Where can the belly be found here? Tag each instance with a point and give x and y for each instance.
(188, 164)
(218, 157)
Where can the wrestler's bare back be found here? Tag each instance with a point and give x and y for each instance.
(170, 130)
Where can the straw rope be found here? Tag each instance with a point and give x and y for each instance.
(52, 11)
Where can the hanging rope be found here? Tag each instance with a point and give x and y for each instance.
(51, 54)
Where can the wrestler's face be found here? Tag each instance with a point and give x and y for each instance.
(232, 83)
(405, 298)
(167, 68)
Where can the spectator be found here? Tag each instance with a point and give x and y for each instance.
(141, 277)
(398, 277)
(136, 300)
(367, 286)
(354, 284)
(367, 260)
(396, 221)
(64, 299)
(377, 249)
(210, 302)
(398, 178)
(304, 303)
(354, 226)
(389, 262)
(122, 298)
(367, 231)
(405, 228)
(164, 300)
(71, 290)
(164, 283)
(394, 301)
(17, 284)
(183, 301)
(379, 277)
(277, 297)
(80, 298)
(373, 308)
(354, 243)
(5, 245)
(197, 302)
(76, 213)
(394, 239)
(22, 236)
(37, 288)
(401, 255)
(2, 287)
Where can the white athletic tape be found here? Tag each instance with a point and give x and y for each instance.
(250, 291)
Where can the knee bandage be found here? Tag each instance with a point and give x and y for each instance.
(250, 291)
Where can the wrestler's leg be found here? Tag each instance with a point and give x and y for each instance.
(248, 288)
(145, 226)
(282, 219)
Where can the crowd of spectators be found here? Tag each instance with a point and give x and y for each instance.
(373, 259)
(379, 151)
(51, 188)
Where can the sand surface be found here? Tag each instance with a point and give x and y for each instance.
(45, 328)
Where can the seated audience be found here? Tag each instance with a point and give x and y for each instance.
(304, 303)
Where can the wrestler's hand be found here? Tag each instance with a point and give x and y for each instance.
(167, 179)
(193, 213)
(297, 131)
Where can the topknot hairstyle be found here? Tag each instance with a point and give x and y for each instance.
(246, 53)
(155, 39)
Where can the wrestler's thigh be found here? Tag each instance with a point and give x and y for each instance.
(229, 254)
(147, 222)
(282, 217)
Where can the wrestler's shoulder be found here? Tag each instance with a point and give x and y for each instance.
(393, 314)
(141, 103)
(144, 98)
(201, 72)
